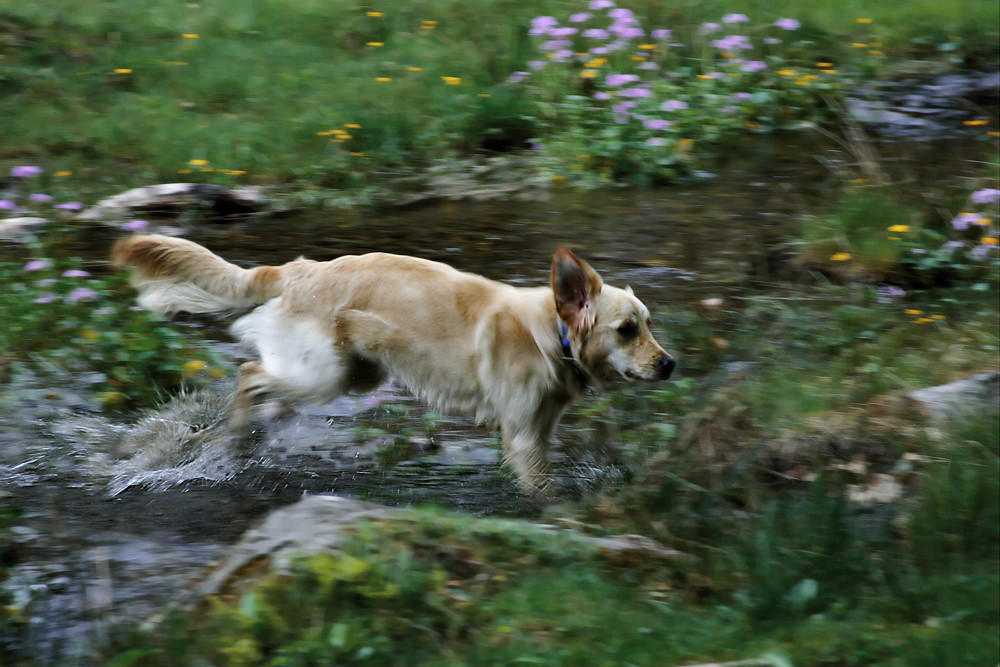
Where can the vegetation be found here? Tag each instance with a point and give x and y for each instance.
(333, 95)
(811, 578)
(824, 521)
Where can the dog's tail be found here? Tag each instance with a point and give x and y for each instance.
(174, 275)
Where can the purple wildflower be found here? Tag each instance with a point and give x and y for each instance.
(622, 14)
(620, 79)
(709, 27)
(732, 42)
(70, 206)
(741, 96)
(602, 96)
(47, 297)
(626, 30)
(657, 124)
(518, 77)
(962, 221)
(754, 66)
(636, 92)
(660, 33)
(542, 24)
(673, 105)
(39, 197)
(37, 265)
(986, 196)
(80, 294)
(554, 44)
(595, 33)
(787, 24)
(887, 293)
(563, 32)
(600, 4)
(649, 66)
(579, 17)
(76, 273)
(537, 64)
(25, 172)
(735, 18)
(8, 204)
(135, 226)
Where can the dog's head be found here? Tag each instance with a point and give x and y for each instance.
(609, 328)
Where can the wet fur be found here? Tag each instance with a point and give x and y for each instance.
(462, 342)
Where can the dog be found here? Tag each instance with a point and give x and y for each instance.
(514, 357)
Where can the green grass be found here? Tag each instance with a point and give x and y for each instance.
(263, 78)
(808, 579)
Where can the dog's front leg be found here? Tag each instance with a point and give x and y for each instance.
(526, 452)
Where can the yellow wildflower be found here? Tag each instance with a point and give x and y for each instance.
(376, 44)
(123, 71)
(452, 80)
(824, 65)
(190, 35)
(352, 126)
(197, 163)
(864, 20)
(357, 154)
(913, 311)
(374, 14)
(840, 256)
(899, 228)
(981, 221)
(922, 320)
(969, 122)
(647, 47)
(383, 79)
(787, 72)
(989, 240)
(860, 45)
(64, 173)
(588, 73)
(938, 317)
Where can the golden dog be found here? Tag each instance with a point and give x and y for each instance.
(515, 357)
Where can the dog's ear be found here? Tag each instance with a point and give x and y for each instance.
(575, 286)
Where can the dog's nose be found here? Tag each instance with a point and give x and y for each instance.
(667, 364)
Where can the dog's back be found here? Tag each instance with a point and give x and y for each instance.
(514, 356)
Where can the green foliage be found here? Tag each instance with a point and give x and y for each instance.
(874, 234)
(58, 315)
(252, 87)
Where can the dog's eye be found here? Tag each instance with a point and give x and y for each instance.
(628, 329)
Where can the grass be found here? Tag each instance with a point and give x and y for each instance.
(124, 95)
(809, 579)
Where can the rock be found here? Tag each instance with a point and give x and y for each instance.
(974, 394)
(223, 201)
(316, 525)
(310, 526)
(13, 228)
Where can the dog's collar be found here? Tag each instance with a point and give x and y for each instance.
(567, 352)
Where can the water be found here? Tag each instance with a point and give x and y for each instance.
(120, 516)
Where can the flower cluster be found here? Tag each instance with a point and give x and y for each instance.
(39, 202)
(647, 98)
(978, 229)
